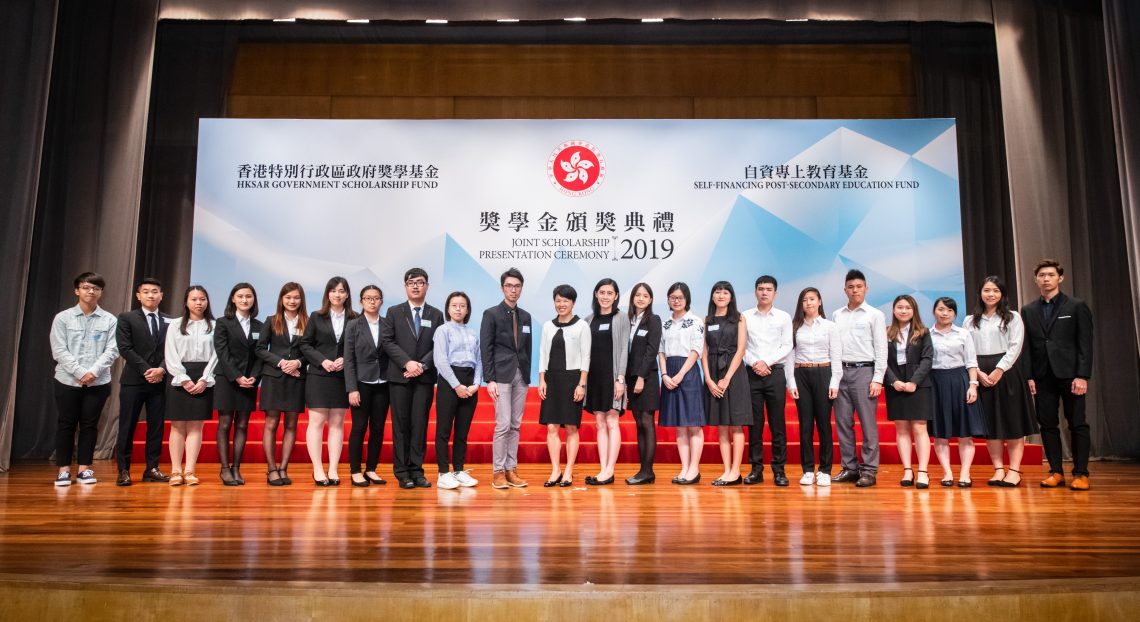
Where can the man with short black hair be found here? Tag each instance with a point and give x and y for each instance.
(505, 341)
(769, 342)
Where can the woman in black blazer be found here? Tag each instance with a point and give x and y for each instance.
(325, 395)
(365, 363)
(642, 378)
(235, 388)
(283, 383)
(910, 398)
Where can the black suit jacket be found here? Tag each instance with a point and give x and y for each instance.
(1066, 345)
(643, 350)
(140, 351)
(919, 359)
(401, 344)
(364, 359)
(273, 348)
(497, 344)
(319, 343)
(237, 355)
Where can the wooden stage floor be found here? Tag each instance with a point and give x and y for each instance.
(653, 537)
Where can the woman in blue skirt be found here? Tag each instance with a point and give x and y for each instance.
(682, 400)
(957, 413)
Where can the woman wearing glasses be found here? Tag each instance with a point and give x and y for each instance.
(682, 403)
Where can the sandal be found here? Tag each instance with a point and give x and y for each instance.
(907, 483)
(1004, 483)
(922, 485)
(995, 480)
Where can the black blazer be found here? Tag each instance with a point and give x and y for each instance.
(401, 344)
(364, 359)
(319, 343)
(1066, 345)
(643, 350)
(140, 351)
(273, 348)
(497, 344)
(237, 355)
(919, 359)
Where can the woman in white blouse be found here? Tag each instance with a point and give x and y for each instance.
(325, 392)
(1004, 392)
(563, 365)
(190, 361)
(682, 399)
(954, 374)
(817, 357)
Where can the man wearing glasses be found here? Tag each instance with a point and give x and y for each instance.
(505, 338)
(407, 336)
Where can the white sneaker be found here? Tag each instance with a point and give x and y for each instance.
(822, 479)
(465, 479)
(447, 481)
(63, 479)
(807, 479)
(87, 476)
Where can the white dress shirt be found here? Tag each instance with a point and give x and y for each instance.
(901, 343)
(337, 323)
(953, 349)
(82, 343)
(578, 340)
(680, 337)
(817, 342)
(864, 334)
(244, 322)
(374, 328)
(769, 336)
(291, 325)
(196, 346)
(990, 338)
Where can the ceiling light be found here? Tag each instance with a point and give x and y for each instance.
(358, 21)
(574, 19)
(652, 20)
(286, 19)
(436, 21)
(507, 21)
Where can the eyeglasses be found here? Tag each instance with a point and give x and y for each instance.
(90, 288)
(512, 286)
(416, 283)
(676, 299)
(371, 299)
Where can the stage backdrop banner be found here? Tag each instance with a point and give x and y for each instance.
(578, 200)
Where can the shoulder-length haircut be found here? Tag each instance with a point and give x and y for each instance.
(1002, 309)
(798, 317)
(207, 314)
(917, 328)
(681, 286)
(279, 327)
(597, 308)
(231, 307)
(331, 285)
(447, 305)
(648, 308)
(731, 311)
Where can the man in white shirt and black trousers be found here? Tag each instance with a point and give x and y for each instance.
(769, 342)
(863, 331)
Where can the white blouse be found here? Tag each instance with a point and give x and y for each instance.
(680, 337)
(291, 325)
(989, 338)
(337, 323)
(818, 342)
(953, 349)
(577, 338)
(196, 346)
(901, 343)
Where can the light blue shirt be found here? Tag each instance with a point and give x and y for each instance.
(83, 343)
(457, 344)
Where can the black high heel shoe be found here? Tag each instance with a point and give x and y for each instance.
(227, 476)
(379, 481)
(551, 483)
(236, 470)
(284, 473)
(1006, 484)
(907, 483)
(274, 482)
(566, 483)
(922, 485)
(640, 480)
(323, 483)
(364, 483)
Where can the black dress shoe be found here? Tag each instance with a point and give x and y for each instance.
(379, 481)
(269, 478)
(728, 482)
(551, 483)
(154, 475)
(124, 478)
(407, 484)
(323, 483)
(361, 484)
(237, 477)
(845, 477)
(780, 478)
(600, 482)
(284, 473)
(690, 482)
(965, 484)
(334, 481)
(565, 483)
(866, 480)
(421, 482)
(640, 480)
(755, 477)
(591, 480)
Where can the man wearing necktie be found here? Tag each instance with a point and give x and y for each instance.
(141, 335)
(407, 336)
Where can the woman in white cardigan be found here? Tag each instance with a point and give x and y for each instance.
(563, 363)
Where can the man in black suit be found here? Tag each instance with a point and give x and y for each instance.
(1059, 332)
(505, 341)
(407, 336)
(141, 336)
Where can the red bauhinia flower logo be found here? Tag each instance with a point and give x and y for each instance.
(576, 168)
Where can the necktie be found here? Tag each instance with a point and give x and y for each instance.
(153, 326)
(416, 325)
(515, 327)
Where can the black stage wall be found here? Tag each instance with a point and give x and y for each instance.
(1029, 85)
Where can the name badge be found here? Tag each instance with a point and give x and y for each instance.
(425, 323)
(526, 329)
(642, 333)
(714, 327)
(602, 327)
(97, 336)
(255, 335)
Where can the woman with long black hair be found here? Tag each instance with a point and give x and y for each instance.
(641, 377)
(235, 395)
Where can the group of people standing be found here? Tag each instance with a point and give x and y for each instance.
(730, 368)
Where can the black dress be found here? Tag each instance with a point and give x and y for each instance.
(600, 381)
(559, 406)
(734, 408)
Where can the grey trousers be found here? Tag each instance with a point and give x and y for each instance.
(508, 420)
(853, 399)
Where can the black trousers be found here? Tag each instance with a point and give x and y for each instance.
(1053, 392)
(768, 393)
(132, 399)
(814, 409)
(411, 403)
(450, 411)
(369, 418)
(78, 407)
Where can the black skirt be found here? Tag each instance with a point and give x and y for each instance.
(559, 407)
(917, 406)
(1008, 407)
(181, 406)
(650, 397)
(326, 391)
(228, 396)
(283, 394)
(953, 417)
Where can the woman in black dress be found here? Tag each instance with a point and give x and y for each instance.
(642, 379)
(235, 392)
(190, 361)
(605, 391)
(283, 383)
(727, 394)
(910, 398)
(563, 365)
(325, 394)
